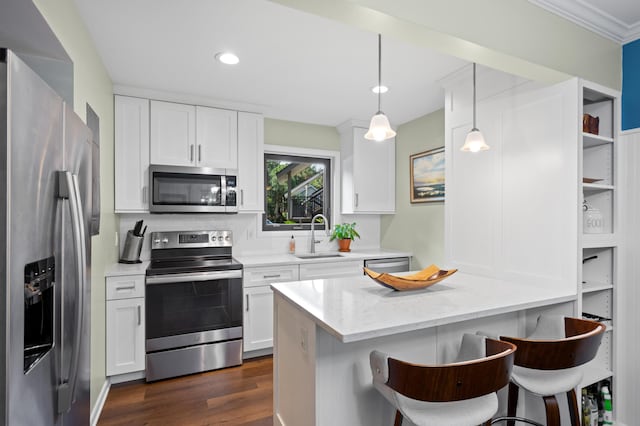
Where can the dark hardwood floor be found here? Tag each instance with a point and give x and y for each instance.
(231, 396)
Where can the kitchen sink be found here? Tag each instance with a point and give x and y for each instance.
(317, 255)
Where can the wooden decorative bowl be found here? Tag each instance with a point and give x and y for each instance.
(423, 279)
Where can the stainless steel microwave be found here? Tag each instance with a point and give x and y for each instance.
(176, 189)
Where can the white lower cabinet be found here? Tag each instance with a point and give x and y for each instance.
(258, 303)
(258, 324)
(312, 271)
(125, 343)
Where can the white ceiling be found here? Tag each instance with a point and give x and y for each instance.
(618, 20)
(293, 66)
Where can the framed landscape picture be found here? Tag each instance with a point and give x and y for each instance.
(427, 176)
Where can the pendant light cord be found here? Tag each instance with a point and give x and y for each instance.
(379, 69)
(474, 96)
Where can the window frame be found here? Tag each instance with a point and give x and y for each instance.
(334, 184)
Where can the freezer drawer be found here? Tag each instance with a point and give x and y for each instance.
(395, 264)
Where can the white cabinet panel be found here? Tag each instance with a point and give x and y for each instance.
(131, 154)
(331, 270)
(125, 287)
(173, 134)
(368, 173)
(250, 162)
(254, 277)
(258, 303)
(125, 336)
(258, 318)
(216, 138)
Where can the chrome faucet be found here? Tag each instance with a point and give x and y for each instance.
(313, 238)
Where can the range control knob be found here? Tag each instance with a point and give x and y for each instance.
(156, 241)
(227, 238)
(165, 241)
(213, 238)
(220, 238)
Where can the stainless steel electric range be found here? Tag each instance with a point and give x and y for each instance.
(193, 304)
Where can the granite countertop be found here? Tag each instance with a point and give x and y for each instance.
(255, 260)
(120, 269)
(356, 308)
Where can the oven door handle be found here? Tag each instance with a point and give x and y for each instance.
(199, 276)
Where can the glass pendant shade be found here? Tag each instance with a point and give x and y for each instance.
(474, 142)
(379, 128)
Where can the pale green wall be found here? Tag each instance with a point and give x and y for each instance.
(514, 36)
(91, 85)
(301, 135)
(418, 228)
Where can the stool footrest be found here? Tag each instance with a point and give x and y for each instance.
(517, 419)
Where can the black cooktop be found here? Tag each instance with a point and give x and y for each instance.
(186, 265)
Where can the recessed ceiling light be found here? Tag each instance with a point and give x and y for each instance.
(227, 58)
(380, 89)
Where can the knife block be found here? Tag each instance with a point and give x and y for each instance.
(132, 248)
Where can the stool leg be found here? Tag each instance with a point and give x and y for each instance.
(512, 403)
(398, 421)
(552, 410)
(573, 407)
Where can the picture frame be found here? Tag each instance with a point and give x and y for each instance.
(426, 177)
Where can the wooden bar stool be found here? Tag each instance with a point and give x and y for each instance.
(547, 362)
(462, 393)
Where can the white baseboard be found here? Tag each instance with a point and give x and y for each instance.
(127, 377)
(257, 353)
(99, 405)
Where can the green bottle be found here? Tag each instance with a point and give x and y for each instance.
(608, 413)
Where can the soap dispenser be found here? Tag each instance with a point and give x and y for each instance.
(292, 245)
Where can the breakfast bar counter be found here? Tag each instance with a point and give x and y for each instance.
(325, 329)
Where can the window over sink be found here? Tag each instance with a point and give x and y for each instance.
(297, 188)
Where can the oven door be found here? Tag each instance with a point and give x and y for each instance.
(191, 309)
(187, 190)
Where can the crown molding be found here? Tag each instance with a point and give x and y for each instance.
(594, 19)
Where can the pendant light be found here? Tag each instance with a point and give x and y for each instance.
(379, 128)
(474, 141)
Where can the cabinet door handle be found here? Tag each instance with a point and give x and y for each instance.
(246, 307)
(129, 287)
(144, 194)
(242, 197)
(191, 153)
(271, 276)
(139, 315)
(356, 199)
(199, 153)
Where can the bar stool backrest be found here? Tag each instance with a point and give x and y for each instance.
(579, 346)
(456, 381)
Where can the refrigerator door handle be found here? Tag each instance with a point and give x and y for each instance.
(69, 188)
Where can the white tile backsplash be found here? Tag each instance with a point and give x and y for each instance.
(247, 239)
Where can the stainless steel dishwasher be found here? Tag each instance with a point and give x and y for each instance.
(394, 264)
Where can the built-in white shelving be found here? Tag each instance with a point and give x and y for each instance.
(599, 246)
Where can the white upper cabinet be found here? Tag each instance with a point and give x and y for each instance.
(188, 135)
(368, 173)
(173, 134)
(131, 154)
(216, 138)
(250, 163)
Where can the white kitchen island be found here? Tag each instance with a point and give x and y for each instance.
(325, 329)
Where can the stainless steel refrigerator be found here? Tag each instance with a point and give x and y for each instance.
(45, 247)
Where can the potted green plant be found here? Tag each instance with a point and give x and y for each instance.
(344, 232)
